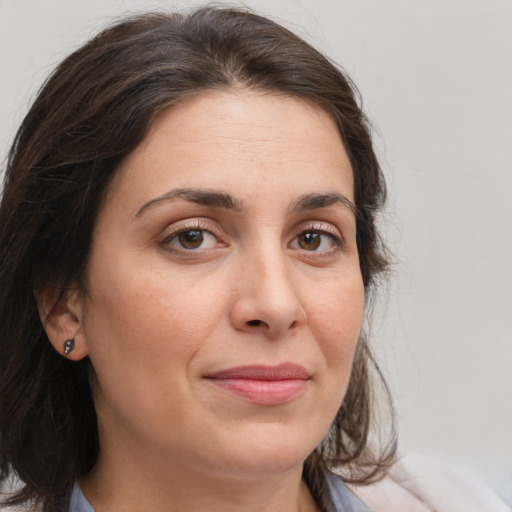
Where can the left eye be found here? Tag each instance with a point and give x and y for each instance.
(191, 239)
(315, 241)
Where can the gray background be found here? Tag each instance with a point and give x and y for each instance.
(436, 77)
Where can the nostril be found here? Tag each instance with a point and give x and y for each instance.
(254, 323)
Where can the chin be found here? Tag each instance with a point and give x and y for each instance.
(267, 452)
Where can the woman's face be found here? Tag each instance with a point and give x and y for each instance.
(224, 296)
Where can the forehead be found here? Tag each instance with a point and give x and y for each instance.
(223, 136)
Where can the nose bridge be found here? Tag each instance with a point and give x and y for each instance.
(268, 296)
(272, 275)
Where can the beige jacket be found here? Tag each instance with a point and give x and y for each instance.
(418, 483)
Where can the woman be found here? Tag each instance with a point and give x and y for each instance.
(188, 247)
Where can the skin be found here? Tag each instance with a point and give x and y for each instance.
(274, 280)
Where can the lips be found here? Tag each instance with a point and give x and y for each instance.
(262, 385)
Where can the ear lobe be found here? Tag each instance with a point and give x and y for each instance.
(61, 315)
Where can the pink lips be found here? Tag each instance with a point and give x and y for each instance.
(263, 385)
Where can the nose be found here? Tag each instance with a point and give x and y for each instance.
(266, 298)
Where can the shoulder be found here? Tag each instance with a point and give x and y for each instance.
(7, 489)
(419, 483)
(341, 498)
(26, 507)
(19, 508)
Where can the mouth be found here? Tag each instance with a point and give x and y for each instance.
(263, 385)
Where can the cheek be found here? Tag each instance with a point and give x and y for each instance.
(336, 318)
(144, 329)
(152, 318)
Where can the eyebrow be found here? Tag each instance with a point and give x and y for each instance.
(313, 201)
(198, 196)
(219, 199)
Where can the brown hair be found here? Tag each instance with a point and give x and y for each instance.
(89, 115)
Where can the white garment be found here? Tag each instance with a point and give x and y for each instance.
(418, 483)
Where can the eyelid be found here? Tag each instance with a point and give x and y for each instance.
(200, 224)
(322, 228)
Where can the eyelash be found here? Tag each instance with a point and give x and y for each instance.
(201, 226)
(323, 230)
(204, 226)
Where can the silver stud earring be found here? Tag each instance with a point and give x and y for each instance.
(69, 345)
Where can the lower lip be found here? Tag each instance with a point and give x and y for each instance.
(263, 392)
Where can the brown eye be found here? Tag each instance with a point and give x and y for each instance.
(309, 241)
(191, 239)
(320, 242)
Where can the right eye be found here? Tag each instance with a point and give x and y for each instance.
(191, 240)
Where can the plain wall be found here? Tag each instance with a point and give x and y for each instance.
(436, 77)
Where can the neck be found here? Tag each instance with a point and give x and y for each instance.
(122, 485)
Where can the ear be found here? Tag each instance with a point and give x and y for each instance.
(61, 313)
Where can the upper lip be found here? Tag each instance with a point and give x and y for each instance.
(285, 371)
